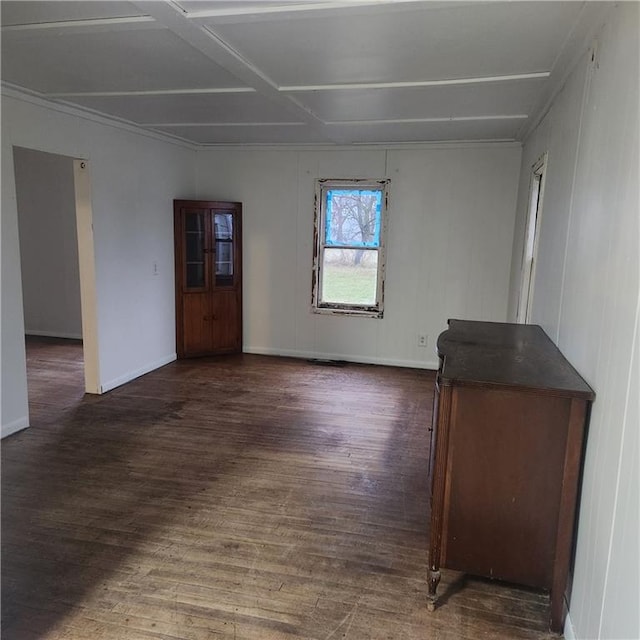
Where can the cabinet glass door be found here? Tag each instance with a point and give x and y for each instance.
(224, 255)
(195, 238)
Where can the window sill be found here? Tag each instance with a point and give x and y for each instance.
(345, 311)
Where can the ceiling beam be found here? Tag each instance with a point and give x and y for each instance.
(311, 9)
(136, 21)
(416, 83)
(518, 116)
(211, 45)
(222, 124)
(308, 88)
(153, 92)
(322, 9)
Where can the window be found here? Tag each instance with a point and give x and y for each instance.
(348, 265)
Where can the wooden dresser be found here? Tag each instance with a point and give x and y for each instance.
(509, 423)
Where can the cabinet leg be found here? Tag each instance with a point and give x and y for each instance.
(558, 613)
(434, 580)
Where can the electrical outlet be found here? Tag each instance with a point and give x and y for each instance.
(422, 339)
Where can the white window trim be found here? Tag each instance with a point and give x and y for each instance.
(322, 185)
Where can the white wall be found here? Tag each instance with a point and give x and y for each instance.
(48, 243)
(587, 297)
(449, 242)
(450, 233)
(134, 180)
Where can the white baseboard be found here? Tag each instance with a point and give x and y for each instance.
(53, 334)
(15, 426)
(132, 375)
(569, 631)
(389, 362)
(292, 353)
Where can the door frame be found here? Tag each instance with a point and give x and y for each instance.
(531, 238)
(87, 265)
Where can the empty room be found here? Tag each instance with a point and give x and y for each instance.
(320, 320)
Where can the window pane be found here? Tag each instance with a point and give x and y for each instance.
(224, 258)
(223, 226)
(352, 217)
(194, 249)
(224, 263)
(223, 223)
(350, 276)
(195, 275)
(194, 221)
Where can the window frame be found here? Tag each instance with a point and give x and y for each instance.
(321, 187)
(529, 264)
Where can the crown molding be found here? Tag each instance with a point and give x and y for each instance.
(18, 93)
(365, 146)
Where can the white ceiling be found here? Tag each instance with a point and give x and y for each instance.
(295, 71)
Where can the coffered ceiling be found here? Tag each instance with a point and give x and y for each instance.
(289, 71)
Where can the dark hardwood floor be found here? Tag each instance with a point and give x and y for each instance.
(241, 497)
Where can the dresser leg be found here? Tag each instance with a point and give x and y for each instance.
(434, 580)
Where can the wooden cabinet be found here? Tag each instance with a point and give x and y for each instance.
(208, 256)
(507, 437)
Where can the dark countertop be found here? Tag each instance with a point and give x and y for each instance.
(514, 355)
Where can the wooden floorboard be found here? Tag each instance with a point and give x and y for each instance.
(240, 497)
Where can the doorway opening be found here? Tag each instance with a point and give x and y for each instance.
(530, 250)
(58, 277)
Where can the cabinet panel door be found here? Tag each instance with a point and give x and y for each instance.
(197, 323)
(506, 453)
(227, 320)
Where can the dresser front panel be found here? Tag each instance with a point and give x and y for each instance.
(504, 478)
